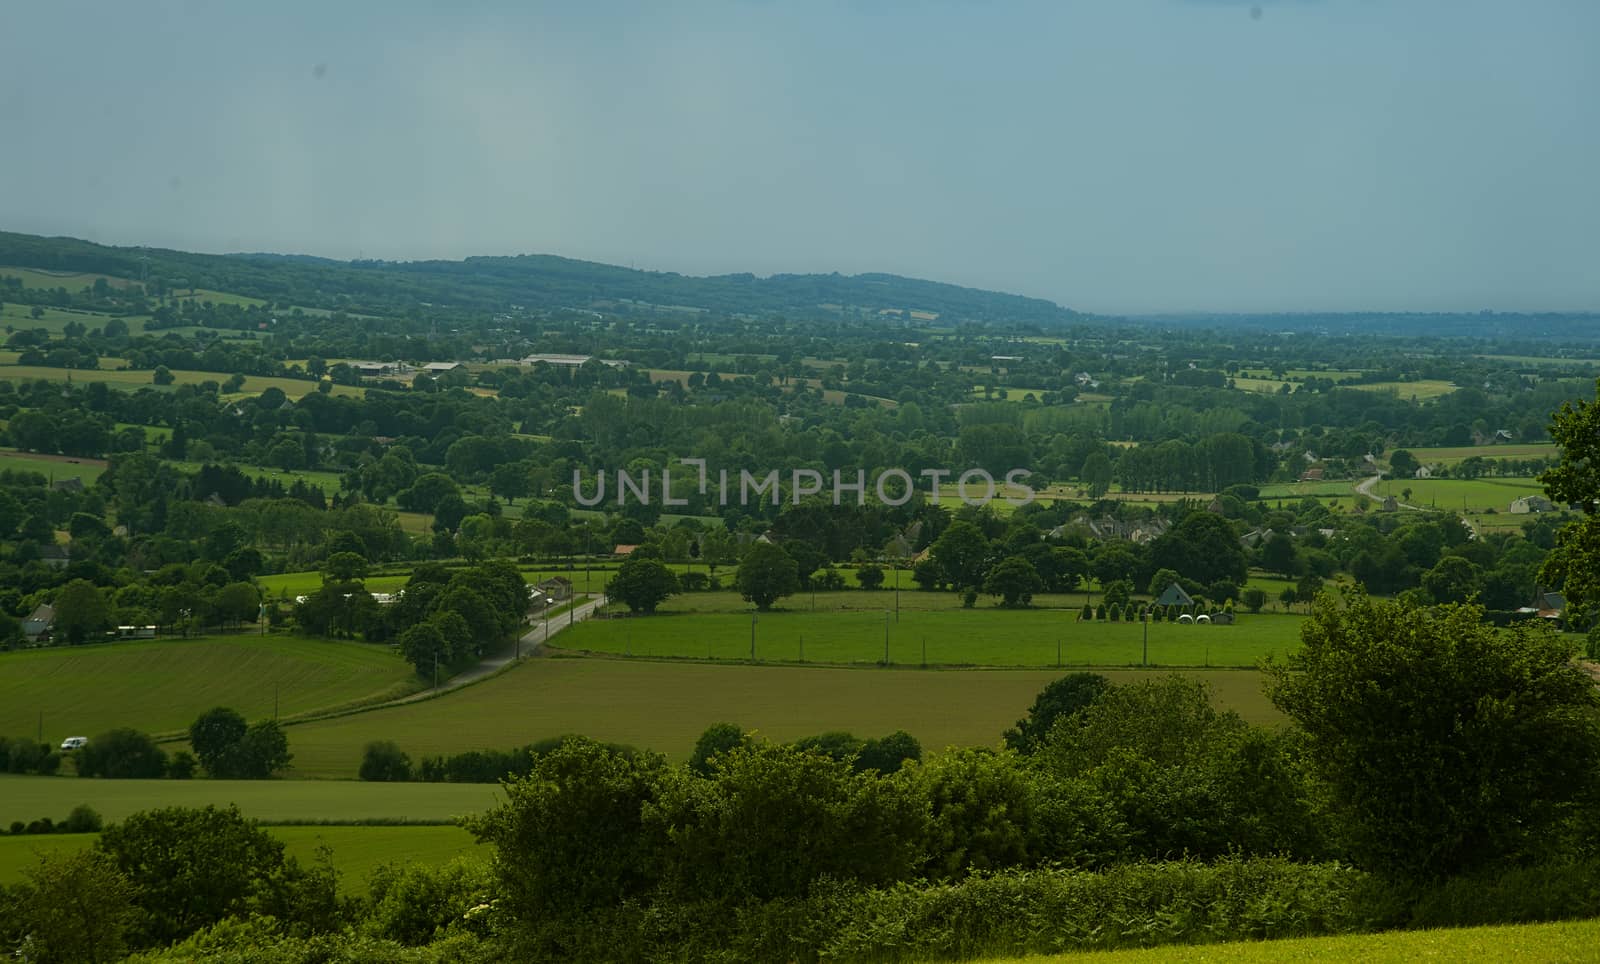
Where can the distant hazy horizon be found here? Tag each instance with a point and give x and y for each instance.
(1139, 157)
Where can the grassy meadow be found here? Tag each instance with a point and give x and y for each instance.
(273, 801)
(133, 379)
(949, 636)
(160, 686)
(357, 851)
(1420, 390)
(1461, 495)
(665, 705)
(1451, 454)
(1566, 941)
(54, 467)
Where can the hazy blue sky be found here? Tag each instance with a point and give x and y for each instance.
(1114, 155)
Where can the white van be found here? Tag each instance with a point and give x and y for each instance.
(74, 743)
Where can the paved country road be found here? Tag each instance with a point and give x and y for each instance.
(531, 644)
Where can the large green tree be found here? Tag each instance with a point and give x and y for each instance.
(1061, 699)
(1575, 479)
(191, 868)
(1202, 547)
(962, 553)
(81, 611)
(1014, 580)
(1446, 744)
(766, 575)
(77, 909)
(642, 584)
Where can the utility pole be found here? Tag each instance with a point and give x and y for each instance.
(1146, 621)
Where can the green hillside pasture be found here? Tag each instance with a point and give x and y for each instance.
(1463, 494)
(357, 851)
(133, 379)
(1264, 386)
(953, 637)
(203, 295)
(328, 482)
(1420, 390)
(55, 320)
(1450, 455)
(55, 467)
(160, 686)
(665, 706)
(73, 281)
(1521, 942)
(270, 801)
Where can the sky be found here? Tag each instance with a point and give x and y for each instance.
(1116, 156)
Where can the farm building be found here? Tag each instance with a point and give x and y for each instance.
(1532, 503)
(37, 625)
(557, 588)
(571, 361)
(1175, 596)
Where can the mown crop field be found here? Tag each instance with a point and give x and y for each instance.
(132, 379)
(1420, 390)
(273, 801)
(946, 637)
(1567, 941)
(665, 706)
(161, 685)
(357, 851)
(53, 467)
(1451, 454)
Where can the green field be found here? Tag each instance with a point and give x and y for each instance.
(948, 637)
(132, 379)
(53, 467)
(665, 706)
(1450, 455)
(357, 851)
(1013, 393)
(271, 801)
(1420, 390)
(160, 686)
(55, 320)
(1568, 941)
(1462, 494)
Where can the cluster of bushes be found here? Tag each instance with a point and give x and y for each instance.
(1136, 612)
(383, 761)
(130, 755)
(82, 819)
(28, 756)
(224, 744)
(157, 878)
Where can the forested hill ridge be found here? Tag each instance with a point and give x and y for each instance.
(532, 282)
